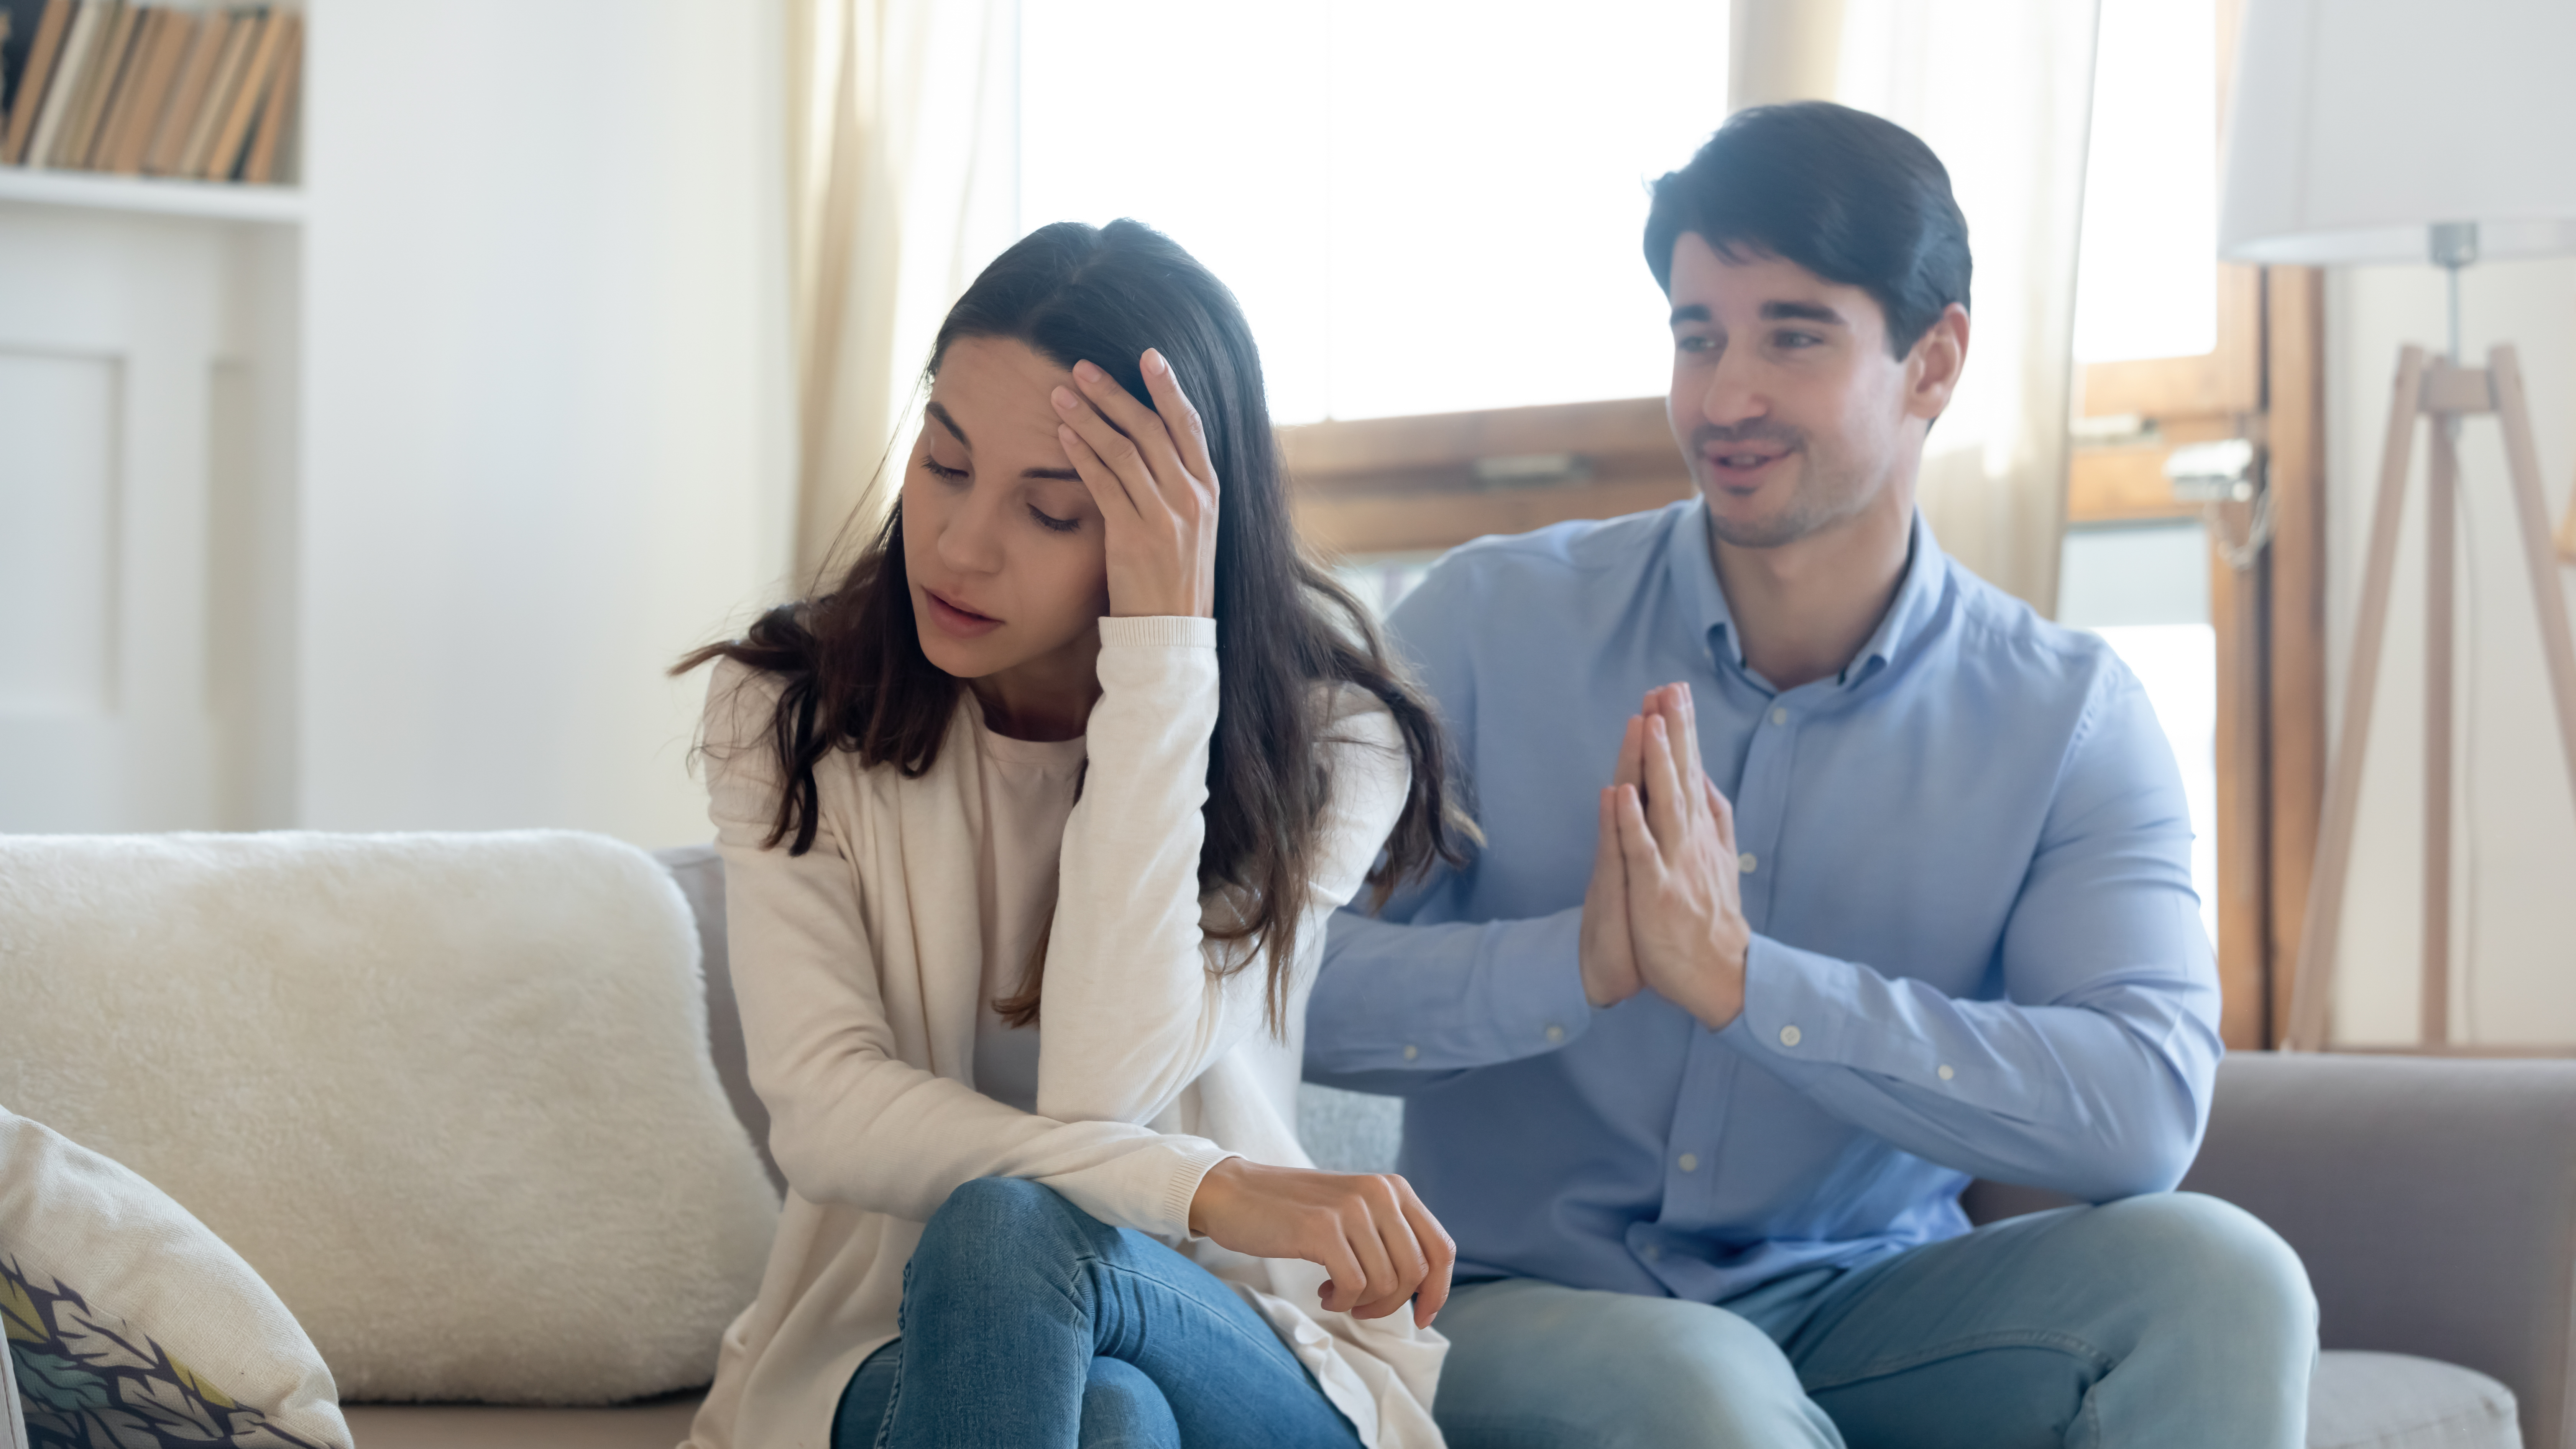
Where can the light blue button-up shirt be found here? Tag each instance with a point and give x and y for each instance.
(1976, 949)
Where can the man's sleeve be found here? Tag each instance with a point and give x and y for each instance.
(2092, 1075)
(1416, 994)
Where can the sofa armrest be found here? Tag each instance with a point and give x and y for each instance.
(2433, 1201)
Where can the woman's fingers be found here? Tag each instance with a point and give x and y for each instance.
(1331, 1249)
(1180, 416)
(1362, 1227)
(1384, 1220)
(1108, 492)
(1113, 449)
(1141, 434)
(1442, 1251)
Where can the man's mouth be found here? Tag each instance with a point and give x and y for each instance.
(1741, 465)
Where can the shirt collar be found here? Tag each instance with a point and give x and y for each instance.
(1693, 567)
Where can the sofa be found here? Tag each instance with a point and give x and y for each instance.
(2433, 1201)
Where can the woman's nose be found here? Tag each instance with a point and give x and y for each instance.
(970, 543)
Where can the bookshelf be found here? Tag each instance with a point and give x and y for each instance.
(152, 401)
(491, 401)
(153, 195)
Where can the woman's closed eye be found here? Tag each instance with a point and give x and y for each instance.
(933, 467)
(1051, 523)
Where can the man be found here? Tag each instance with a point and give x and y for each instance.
(1695, 1071)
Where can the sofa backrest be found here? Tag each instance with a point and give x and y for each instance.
(700, 874)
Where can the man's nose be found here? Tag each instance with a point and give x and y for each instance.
(1734, 393)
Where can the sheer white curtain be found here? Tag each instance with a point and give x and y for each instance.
(2002, 92)
(903, 183)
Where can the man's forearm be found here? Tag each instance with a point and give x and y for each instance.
(1428, 1001)
(2098, 1098)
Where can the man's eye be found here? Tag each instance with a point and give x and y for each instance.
(1052, 523)
(931, 466)
(1794, 340)
(1695, 344)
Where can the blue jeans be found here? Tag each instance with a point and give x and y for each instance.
(2171, 1319)
(1026, 1321)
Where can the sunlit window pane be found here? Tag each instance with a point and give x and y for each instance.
(2147, 285)
(1425, 207)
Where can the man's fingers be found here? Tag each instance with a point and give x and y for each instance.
(1630, 768)
(1721, 811)
(1667, 808)
(1636, 841)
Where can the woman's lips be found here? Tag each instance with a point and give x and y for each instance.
(954, 621)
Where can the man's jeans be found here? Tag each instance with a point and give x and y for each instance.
(1026, 1321)
(2172, 1319)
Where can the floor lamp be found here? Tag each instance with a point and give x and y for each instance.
(2406, 131)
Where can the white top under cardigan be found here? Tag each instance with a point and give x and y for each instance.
(859, 966)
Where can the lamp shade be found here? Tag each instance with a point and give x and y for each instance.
(2357, 124)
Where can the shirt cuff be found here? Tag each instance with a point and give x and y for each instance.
(1540, 1006)
(1798, 1006)
(1158, 631)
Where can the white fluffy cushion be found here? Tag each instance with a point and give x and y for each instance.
(128, 1323)
(449, 1094)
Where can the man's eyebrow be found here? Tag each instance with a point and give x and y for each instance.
(941, 414)
(1802, 312)
(1691, 313)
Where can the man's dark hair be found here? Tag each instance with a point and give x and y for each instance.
(1851, 197)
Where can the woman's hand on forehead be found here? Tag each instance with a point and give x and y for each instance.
(1150, 476)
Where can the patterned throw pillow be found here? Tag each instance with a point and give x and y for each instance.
(130, 1326)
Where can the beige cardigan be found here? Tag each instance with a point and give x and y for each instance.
(859, 968)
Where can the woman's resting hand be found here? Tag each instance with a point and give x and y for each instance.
(1367, 1229)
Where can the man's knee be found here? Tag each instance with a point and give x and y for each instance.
(1536, 1364)
(2209, 1260)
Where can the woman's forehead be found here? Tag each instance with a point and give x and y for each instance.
(998, 393)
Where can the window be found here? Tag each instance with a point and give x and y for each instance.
(1426, 207)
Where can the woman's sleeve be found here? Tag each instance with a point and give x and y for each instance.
(850, 1121)
(1131, 1014)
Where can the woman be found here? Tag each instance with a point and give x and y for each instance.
(1031, 827)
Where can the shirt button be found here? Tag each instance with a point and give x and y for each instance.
(1689, 1162)
(1556, 1033)
(1746, 862)
(1946, 1073)
(1788, 1036)
(1779, 716)
(1411, 1051)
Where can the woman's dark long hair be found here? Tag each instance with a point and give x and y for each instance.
(855, 678)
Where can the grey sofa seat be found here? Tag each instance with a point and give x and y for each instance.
(2434, 1203)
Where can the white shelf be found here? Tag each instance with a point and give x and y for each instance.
(218, 200)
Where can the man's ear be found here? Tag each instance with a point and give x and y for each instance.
(1932, 369)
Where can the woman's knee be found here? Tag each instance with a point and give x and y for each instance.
(1122, 1409)
(997, 1221)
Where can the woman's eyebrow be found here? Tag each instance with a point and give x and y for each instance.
(1062, 475)
(941, 413)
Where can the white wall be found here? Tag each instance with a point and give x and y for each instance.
(547, 423)
(2514, 918)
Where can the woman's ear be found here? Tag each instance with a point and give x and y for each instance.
(1932, 369)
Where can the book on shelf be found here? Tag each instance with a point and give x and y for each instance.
(207, 93)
